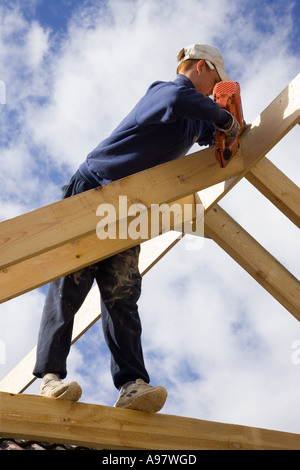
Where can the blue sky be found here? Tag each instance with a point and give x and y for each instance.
(72, 71)
(55, 14)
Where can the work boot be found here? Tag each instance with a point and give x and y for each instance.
(141, 396)
(53, 387)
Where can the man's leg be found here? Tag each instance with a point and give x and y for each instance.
(119, 281)
(64, 298)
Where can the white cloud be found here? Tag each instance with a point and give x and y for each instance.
(36, 45)
(219, 342)
(19, 322)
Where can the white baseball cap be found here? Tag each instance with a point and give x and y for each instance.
(210, 54)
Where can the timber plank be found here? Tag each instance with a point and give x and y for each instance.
(102, 427)
(68, 258)
(64, 221)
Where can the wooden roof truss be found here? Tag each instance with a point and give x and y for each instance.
(60, 238)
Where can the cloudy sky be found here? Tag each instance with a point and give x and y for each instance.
(72, 70)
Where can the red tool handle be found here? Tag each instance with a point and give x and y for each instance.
(228, 96)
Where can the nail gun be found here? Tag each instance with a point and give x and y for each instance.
(228, 96)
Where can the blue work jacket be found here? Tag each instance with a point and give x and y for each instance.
(163, 125)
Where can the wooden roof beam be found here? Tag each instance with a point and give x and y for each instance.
(101, 427)
(72, 256)
(62, 222)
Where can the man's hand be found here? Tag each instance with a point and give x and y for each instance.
(231, 129)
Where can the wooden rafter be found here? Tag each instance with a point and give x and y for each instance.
(31, 417)
(62, 222)
(63, 260)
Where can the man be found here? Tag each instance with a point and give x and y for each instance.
(164, 125)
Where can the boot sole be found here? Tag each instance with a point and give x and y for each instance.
(150, 401)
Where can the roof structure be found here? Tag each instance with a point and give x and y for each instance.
(24, 444)
(60, 238)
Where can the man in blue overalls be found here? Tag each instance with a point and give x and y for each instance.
(164, 125)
